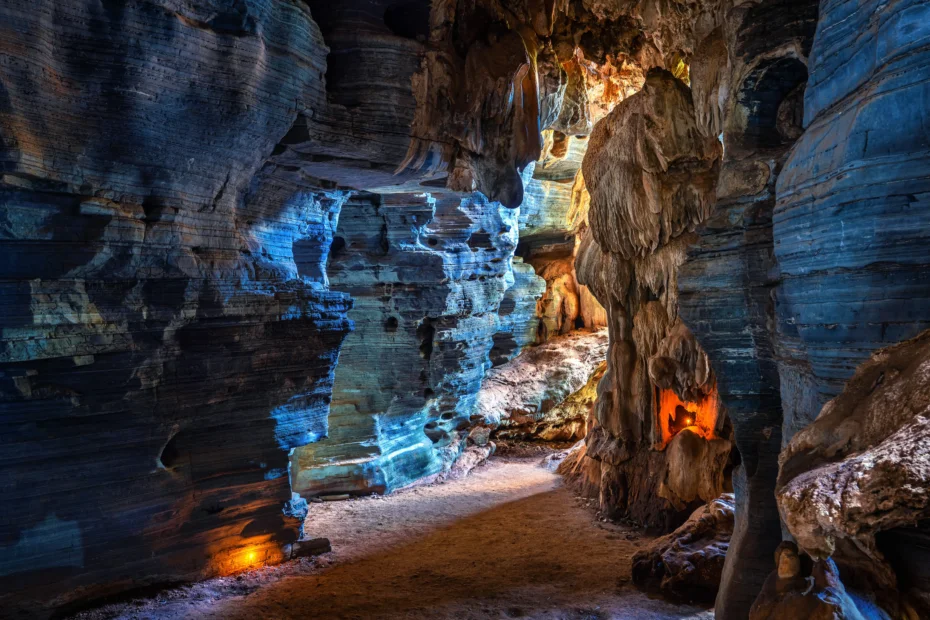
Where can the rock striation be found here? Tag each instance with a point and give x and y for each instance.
(749, 84)
(253, 248)
(846, 239)
(808, 228)
(165, 343)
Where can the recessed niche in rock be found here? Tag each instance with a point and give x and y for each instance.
(371, 278)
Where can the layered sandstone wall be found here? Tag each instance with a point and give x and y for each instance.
(164, 344)
(750, 78)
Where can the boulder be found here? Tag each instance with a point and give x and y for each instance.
(686, 564)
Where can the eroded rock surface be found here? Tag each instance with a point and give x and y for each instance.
(651, 175)
(427, 276)
(528, 397)
(749, 86)
(165, 343)
(687, 564)
(863, 466)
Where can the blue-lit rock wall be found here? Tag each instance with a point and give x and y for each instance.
(161, 350)
(428, 276)
(850, 224)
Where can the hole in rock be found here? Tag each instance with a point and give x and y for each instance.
(675, 415)
(337, 248)
(170, 454)
(425, 333)
(773, 95)
(480, 240)
(409, 19)
(390, 325)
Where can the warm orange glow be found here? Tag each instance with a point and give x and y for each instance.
(251, 555)
(674, 415)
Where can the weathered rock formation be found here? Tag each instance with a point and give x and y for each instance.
(539, 394)
(813, 238)
(660, 448)
(799, 588)
(165, 342)
(427, 276)
(687, 564)
(863, 467)
(201, 201)
(172, 178)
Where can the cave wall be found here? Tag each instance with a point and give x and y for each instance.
(162, 350)
(172, 181)
(428, 276)
(553, 218)
(850, 231)
(809, 229)
(749, 83)
(193, 194)
(848, 225)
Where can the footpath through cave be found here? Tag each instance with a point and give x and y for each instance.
(510, 540)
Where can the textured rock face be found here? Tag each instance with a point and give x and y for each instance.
(165, 344)
(650, 173)
(687, 563)
(553, 216)
(519, 323)
(428, 276)
(172, 178)
(847, 242)
(814, 237)
(863, 466)
(529, 396)
(749, 86)
(194, 194)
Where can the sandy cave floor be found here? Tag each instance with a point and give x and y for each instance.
(508, 541)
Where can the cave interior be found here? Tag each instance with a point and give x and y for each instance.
(628, 299)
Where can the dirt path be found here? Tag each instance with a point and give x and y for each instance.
(509, 541)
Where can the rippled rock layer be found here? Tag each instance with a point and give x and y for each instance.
(428, 276)
(165, 342)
